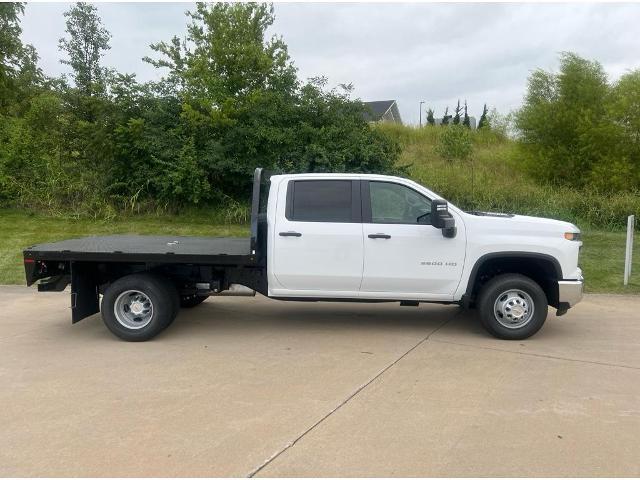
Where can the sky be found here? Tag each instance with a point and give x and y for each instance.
(408, 52)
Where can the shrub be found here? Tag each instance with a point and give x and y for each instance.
(455, 143)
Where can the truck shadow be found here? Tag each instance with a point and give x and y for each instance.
(281, 316)
(246, 318)
(243, 318)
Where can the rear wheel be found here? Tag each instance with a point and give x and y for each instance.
(139, 306)
(512, 306)
(190, 301)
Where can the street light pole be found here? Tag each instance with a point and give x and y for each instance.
(421, 102)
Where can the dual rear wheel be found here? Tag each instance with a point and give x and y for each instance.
(140, 306)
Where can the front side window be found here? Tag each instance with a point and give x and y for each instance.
(395, 203)
(321, 201)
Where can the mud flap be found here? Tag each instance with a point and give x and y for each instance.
(84, 292)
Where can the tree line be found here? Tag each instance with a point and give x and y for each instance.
(229, 101)
(460, 113)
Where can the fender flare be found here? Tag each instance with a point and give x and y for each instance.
(509, 254)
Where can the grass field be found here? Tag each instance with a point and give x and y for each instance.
(602, 256)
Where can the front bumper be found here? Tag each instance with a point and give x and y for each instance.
(569, 292)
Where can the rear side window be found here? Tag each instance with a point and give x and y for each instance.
(320, 201)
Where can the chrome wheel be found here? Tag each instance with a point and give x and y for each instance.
(513, 308)
(133, 309)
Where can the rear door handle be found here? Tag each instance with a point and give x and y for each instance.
(290, 234)
(379, 235)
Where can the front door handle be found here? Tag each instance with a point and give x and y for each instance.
(290, 234)
(379, 235)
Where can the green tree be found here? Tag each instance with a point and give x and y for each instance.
(86, 43)
(10, 49)
(619, 166)
(455, 143)
(226, 55)
(483, 122)
(430, 120)
(20, 79)
(563, 120)
(18, 62)
(227, 74)
(456, 116)
(243, 107)
(466, 121)
(446, 117)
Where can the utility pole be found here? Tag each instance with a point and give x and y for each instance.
(421, 102)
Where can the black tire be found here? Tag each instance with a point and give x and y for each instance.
(156, 291)
(190, 301)
(492, 311)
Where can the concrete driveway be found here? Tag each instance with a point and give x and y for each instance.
(241, 387)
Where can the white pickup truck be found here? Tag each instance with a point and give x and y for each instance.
(328, 237)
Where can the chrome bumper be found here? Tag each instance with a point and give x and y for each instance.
(570, 292)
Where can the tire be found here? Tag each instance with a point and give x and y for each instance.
(138, 307)
(505, 306)
(190, 301)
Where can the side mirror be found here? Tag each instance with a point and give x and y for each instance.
(442, 219)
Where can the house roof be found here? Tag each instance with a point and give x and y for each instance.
(377, 109)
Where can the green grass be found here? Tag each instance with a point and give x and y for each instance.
(602, 257)
(602, 260)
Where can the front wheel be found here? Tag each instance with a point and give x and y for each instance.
(512, 306)
(139, 306)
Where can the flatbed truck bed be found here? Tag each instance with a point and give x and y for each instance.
(147, 248)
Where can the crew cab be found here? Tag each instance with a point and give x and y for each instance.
(327, 237)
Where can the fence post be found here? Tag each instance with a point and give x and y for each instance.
(629, 252)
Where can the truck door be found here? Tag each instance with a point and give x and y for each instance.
(318, 238)
(404, 256)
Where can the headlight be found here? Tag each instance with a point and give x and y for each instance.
(574, 236)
